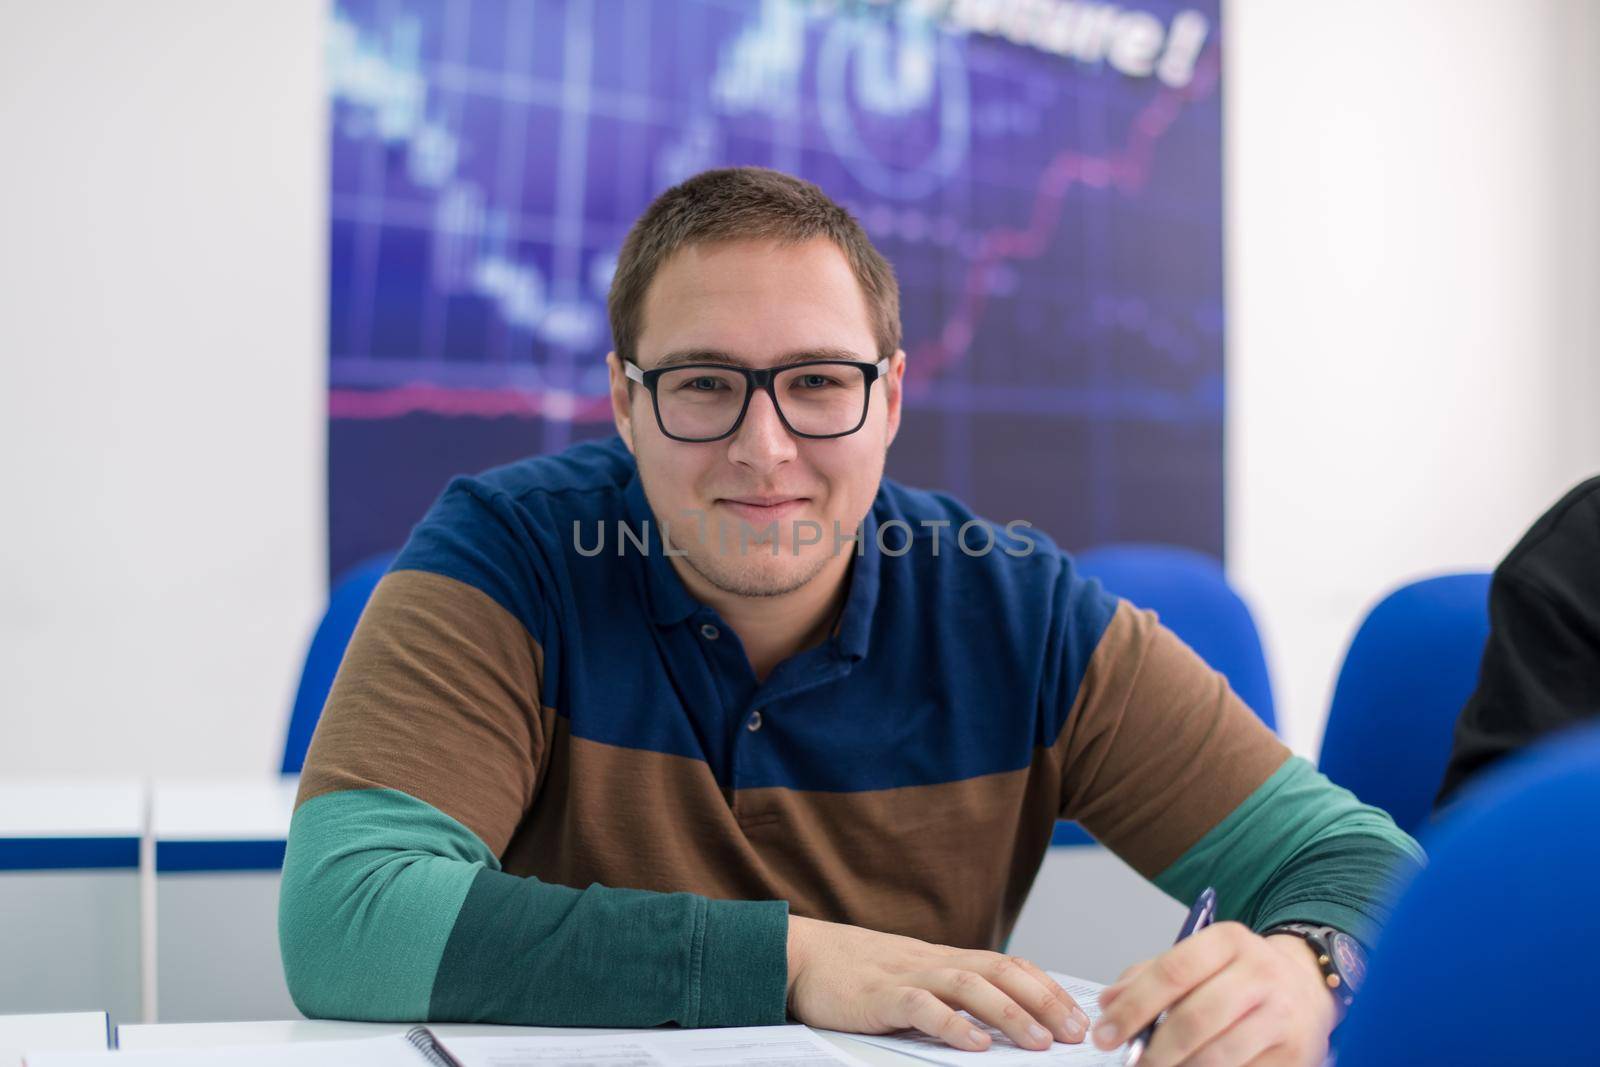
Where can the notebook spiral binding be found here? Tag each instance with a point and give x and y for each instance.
(422, 1039)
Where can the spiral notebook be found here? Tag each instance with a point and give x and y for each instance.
(745, 1046)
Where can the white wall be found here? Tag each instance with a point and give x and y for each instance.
(1414, 352)
(162, 279)
(1413, 248)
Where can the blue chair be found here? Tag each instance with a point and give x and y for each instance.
(1191, 594)
(1408, 672)
(1490, 955)
(348, 597)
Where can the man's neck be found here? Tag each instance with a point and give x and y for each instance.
(773, 628)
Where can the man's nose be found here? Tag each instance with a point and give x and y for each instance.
(762, 441)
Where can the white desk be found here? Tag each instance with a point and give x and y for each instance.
(218, 856)
(79, 1031)
(69, 891)
(61, 824)
(221, 826)
(201, 1035)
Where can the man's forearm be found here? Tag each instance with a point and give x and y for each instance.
(392, 910)
(1300, 848)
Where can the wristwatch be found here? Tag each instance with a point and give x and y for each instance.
(1341, 957)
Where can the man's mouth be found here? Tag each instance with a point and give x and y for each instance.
(761, 510)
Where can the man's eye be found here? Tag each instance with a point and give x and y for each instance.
(704, 385)
(816, 381)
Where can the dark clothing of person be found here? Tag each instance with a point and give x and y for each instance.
(1541, 666)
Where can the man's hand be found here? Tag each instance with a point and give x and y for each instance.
(848, 978)
(1231, 996)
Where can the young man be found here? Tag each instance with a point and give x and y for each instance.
(711, 724)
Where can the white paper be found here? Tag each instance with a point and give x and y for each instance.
(745, 1046)
(392, 1051)
(1086, 993)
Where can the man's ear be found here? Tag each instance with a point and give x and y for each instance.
(621, 399)
(893, 380)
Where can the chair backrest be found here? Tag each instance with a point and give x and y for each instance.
(1489, 957)
(1191, 594)
(1410, 669)
(345, 602)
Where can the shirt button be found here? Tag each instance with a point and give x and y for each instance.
(709, 632)
(755, 721)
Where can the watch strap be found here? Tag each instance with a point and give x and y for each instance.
(1320, 938)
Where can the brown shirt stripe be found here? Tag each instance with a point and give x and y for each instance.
(438, 697)
(1158, 749)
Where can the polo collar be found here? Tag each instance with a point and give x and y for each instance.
(861, 602)
(670, 600)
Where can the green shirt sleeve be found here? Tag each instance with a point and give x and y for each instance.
(391, 910)
(1300, 849)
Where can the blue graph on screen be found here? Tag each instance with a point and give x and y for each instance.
(1045, 176)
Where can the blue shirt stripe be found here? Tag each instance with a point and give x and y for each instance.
(946, 666)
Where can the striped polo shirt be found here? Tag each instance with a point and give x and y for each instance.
(561, 770)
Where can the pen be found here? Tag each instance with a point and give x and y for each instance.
(1200, 916)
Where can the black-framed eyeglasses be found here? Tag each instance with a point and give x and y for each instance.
(815, 398)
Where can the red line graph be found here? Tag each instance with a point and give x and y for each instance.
(423, 398)
(1127, 170)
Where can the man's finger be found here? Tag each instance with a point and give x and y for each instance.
(962, 988)
(919, 1009)
(1242, 1042)
(1040, 995)
(1076, 1025)
(1204, 1014)
(1166, 980)
(1114, 990)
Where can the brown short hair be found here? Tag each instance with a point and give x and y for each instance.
(745, 203)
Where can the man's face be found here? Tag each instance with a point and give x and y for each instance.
(758, 304)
